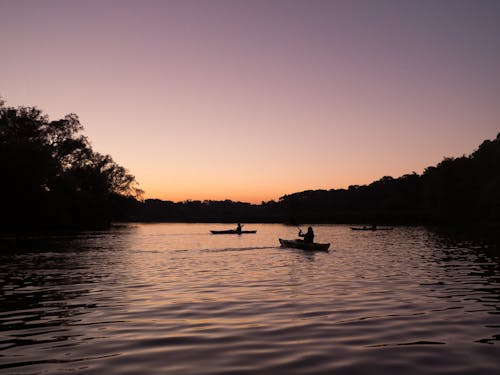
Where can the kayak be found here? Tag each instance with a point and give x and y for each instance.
(297, 244)
(369, 228)
(232, 231)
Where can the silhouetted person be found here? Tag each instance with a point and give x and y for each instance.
(308, 236)
(238, 228)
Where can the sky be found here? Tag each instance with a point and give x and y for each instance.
(252, 100)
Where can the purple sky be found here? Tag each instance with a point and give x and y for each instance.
(250, 100)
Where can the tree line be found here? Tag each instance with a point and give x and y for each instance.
(457, 190)
(52, 179)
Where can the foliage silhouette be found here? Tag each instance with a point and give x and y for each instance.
(51, 176)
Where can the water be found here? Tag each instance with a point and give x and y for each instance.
(173, 299)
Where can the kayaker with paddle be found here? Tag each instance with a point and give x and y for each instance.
(308, 236)
(238, 228)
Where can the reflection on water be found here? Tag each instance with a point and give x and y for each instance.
(171, 298)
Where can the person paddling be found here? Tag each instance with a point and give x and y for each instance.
(308, 236)
(238, 228)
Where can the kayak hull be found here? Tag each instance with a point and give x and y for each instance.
(232, 231)
(297, 244)
(370, 229)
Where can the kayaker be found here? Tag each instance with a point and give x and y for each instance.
(238, 228)
(308, 236)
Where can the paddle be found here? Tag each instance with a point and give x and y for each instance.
(300, 230)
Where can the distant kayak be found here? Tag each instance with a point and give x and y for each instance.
(370, 228)
(232, 231)
(296, 244)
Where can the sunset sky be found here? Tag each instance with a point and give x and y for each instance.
(251, 100)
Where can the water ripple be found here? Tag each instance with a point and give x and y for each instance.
(171, 298)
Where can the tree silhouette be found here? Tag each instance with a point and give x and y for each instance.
(51, 176)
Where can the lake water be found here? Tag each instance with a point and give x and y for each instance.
(174, 299)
